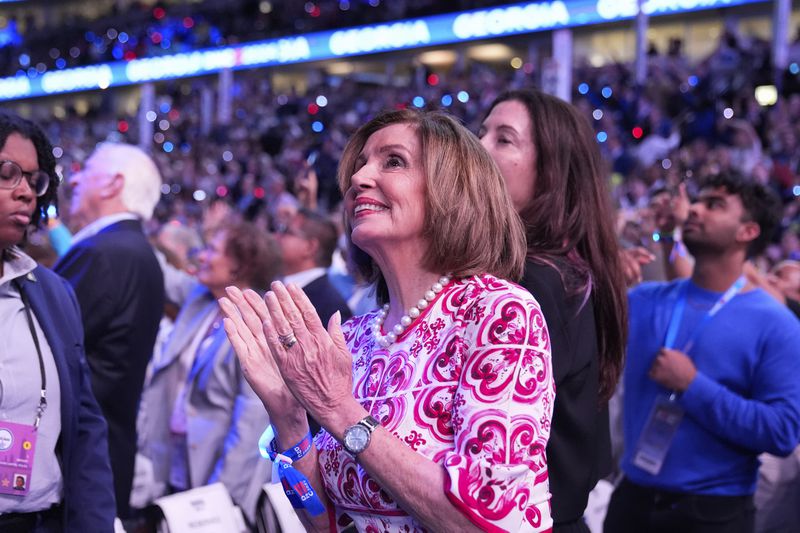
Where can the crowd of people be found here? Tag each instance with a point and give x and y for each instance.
(209, 289)
(687, 121)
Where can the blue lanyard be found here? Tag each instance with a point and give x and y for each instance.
(680, 306)
(296, 486)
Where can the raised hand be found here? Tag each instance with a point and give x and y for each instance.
(245, 312)
(632, 260)
(318, 368)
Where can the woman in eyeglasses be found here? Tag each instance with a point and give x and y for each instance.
(199, 420)
(50, 424)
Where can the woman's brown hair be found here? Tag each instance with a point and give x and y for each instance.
(256, 254)
(569, 224)
(470, 226)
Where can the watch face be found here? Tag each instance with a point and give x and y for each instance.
(356, 438)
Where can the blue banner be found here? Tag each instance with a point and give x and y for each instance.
(406, 34)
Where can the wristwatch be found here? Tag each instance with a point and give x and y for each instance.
(356, 437)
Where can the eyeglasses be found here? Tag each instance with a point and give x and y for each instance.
(286, 229)
(11, 175)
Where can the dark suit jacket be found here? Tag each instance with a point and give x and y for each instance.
(326, 299)
(120, 289)
(579, 449)
(82, 447)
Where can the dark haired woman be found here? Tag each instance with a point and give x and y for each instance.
(50, 424)
(553, 171)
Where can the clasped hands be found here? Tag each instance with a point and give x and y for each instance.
(313, 375)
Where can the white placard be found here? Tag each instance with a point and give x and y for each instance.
(206, 509)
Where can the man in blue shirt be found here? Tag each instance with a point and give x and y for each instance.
(710, 378)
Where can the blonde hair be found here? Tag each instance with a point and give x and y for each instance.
(471, 225)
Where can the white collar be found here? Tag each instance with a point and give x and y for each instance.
(100, 224)
(304, 277)
(17, 266)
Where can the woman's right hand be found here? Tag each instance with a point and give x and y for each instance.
(245, 313)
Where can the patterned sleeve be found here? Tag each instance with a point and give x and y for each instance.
(497, 472)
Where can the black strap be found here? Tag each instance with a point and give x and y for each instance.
(43, 398)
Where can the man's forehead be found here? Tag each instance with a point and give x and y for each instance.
(717, 192)
(787, 269)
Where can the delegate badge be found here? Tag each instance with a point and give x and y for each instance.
(17, 444)
(657, 435)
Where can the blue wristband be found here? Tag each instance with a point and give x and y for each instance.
(296, 486)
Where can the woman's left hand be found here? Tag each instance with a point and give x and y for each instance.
(318, 368)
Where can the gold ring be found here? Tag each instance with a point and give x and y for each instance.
(287, 340)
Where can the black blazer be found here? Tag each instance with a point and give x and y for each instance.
(579, 449)
(120, 289)
(326, 299)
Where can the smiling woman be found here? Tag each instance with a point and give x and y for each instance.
(439, 422)
(51, 403)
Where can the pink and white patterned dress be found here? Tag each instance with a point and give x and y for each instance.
(468, 385)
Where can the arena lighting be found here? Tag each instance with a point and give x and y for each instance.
(438, 57)
(766, 95)
(490, 52)
(513, 19)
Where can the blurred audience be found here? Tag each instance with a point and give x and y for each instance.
(200, 421)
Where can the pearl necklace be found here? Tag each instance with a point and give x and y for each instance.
(386, 340)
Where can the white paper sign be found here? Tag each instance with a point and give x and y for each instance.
(206, 509)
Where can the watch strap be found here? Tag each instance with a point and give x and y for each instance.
(370, 423)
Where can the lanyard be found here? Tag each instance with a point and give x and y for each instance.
(43, 397)
(680, 306)
(296, 486)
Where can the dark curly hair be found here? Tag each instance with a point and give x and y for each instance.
(760, 203)
(44, 153)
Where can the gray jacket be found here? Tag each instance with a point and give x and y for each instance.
(224, 416)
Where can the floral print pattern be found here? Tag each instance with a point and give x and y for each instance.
(468, 385)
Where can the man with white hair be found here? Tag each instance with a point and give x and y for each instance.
(120, 288)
